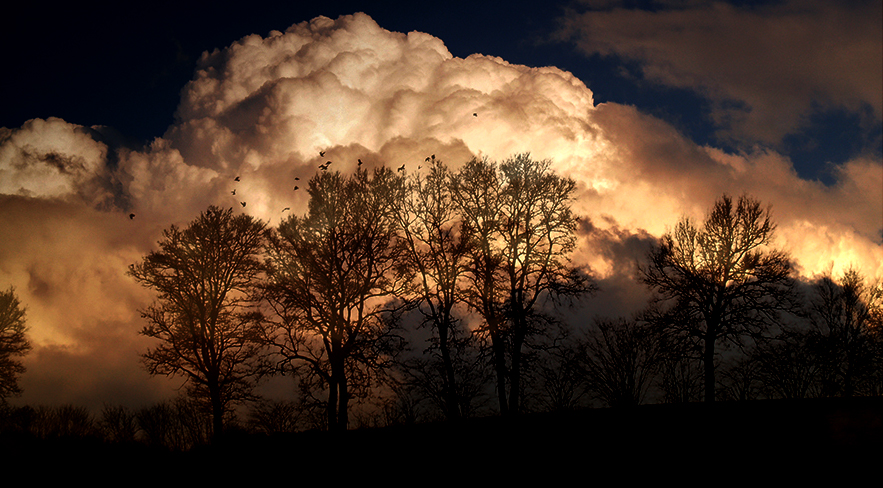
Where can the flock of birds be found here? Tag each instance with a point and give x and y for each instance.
(324, 167)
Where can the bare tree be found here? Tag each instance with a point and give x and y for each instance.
(722, 281)
(681, 380)
(336, 274)
(470, 380)
(556, 380)
(847, 323)
(741, 379)
(275, 416)
(118, 424)
(521, 231)
(209, 332)
(179, 424)
(62, 421)
(13, 343)
(621, 358)
(436, 249)
(789, 365)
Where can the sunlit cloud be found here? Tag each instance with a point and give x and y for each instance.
(53, 159)
(263, 109)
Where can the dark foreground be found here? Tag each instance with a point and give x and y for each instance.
(751, 442)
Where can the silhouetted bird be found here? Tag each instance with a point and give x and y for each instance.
(321, 154)
(131, 216)
(360, 162)
(285, 209)
(233, 192)
(296, 178)
(474, 114)
(236, 179)
(402, 167)
(243, 203)
(295, 188)
(427, 159)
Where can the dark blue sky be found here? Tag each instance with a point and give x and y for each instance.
(123, 66)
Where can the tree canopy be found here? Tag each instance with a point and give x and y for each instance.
(337, 274)
(13, 343)
(518, 221)
(206, 277)
(722, 280)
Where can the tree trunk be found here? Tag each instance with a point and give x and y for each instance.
(342, 410)
(708, 359)
(499, 348)
(515, 370)
(332, 402)
(217, 410)
(452, 405)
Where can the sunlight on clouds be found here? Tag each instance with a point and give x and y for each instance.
(262, 109)
(830, 249)
(348, 81)
(164, 187)
(68, 265)
(49, 159)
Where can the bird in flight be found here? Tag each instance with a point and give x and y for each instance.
(321, 154)
(296, 187)
(243, 203)
(402, 167)
(296, 178)
(285, 209)
(360, 163)
(131, 216)
(236, 179)
(234, 191)
(474, 114)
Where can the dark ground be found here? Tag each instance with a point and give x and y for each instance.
(751, 443)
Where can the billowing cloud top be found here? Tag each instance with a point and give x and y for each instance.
(262, 109)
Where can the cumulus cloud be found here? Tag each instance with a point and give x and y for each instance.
(766, 68)
(53, 159)
(263, 108)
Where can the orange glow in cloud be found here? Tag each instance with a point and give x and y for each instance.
(263, 109)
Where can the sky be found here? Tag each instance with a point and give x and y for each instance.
(654, 108)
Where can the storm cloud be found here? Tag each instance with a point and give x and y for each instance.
(262, 110)
(765, 68)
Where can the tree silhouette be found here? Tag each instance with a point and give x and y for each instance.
(847, 324)
(179, 424)
(520, 230)
(436, 249)
(13, 343)
(621, 359)
(789, 365)
(205, 276)
(335, 275)
(722, 281)
(471, 377)
(556, 380)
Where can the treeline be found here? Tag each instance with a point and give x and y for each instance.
(402, 298)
